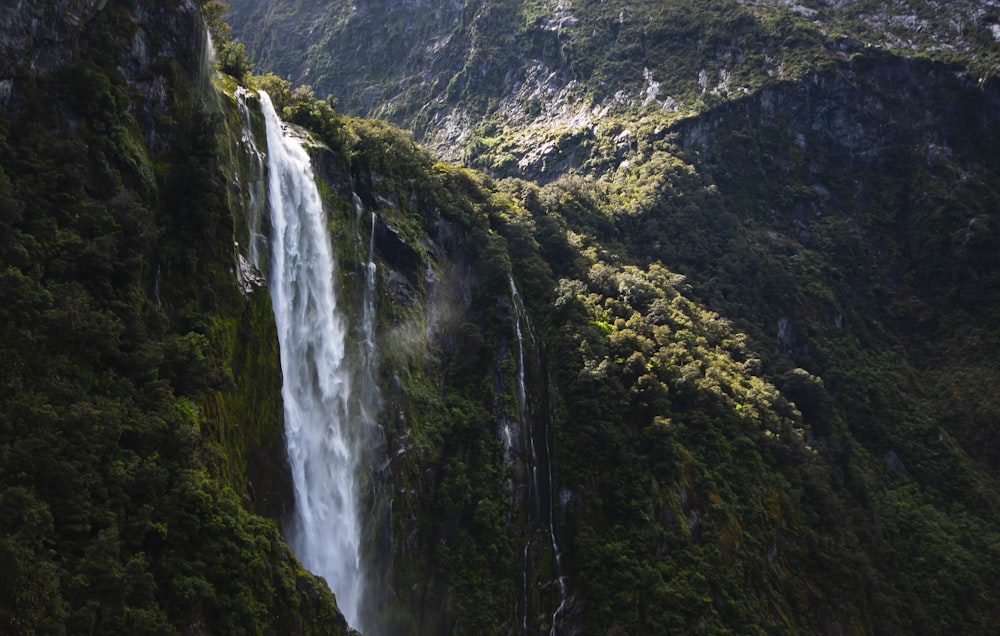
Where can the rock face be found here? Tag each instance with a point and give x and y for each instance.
(118, 271)
(144, 43)
(953, 28)
(528, 89)
(863, 108)
(40, 36)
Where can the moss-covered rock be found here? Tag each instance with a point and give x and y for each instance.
(134, 415)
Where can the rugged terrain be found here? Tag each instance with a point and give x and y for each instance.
(711, 349)
(823, 175)
(503, 84)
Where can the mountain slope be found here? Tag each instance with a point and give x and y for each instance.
(692, 494)
(823, 175)
(732, 376)
(496, 83)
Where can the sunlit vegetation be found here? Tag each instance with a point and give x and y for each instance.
(709, 482)
(766, 349)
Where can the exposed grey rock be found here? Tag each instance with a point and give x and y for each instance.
(248, 277)
(41, 36)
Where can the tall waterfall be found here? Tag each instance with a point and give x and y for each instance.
(324, 434)
(541, 475)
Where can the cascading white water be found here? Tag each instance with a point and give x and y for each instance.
(547, 512)
(324, 440)
(368, 315)
(369, 351)
(369, 399)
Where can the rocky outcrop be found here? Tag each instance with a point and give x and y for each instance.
(863, 108)
(956, 27)
(145, 44)
(39, 37)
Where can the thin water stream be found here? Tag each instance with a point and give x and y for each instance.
(541, 474)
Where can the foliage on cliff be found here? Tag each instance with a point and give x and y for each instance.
(802, 476)
(763, 347)
(669, 414)
(120, 511)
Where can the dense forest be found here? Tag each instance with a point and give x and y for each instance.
(721, 361)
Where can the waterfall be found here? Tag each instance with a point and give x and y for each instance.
(369, 352)
(369, 399)
(157, 284)
(368, 314)
(375, 500)
(542, 483)
(324, 433)
(522, 397)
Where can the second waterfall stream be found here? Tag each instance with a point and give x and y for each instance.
(325, 426)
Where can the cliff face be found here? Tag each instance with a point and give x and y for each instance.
(40, 38)
(880, 172)
(806, 454)
(501, 84)
(131, 415)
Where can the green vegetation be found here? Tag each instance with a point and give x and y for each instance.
(798, 475)
(125, 405)
(779, 517)
(766, 336)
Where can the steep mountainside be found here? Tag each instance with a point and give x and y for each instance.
(502, 83)
(824, 176)
(719, 358)
(833, 472)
